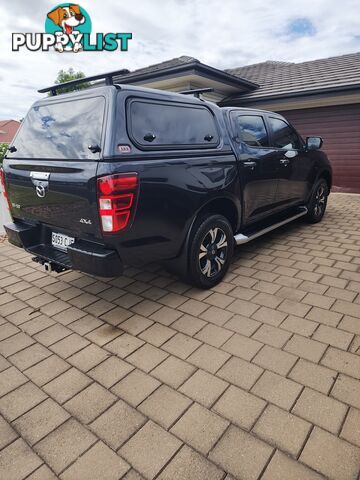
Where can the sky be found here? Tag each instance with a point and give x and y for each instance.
(221, 33)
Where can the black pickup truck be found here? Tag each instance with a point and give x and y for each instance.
(118, 174)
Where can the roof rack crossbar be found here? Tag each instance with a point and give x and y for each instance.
(196, 91)
(107, 76)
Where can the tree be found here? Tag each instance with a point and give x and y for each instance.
(3, 148)
(68, 75)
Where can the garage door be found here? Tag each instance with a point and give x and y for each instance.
(339, 126)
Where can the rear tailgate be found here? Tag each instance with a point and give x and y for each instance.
(57, 194)
(51, 172)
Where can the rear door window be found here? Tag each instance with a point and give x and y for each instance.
(62, 130)
(170, 125)
(283, 135)
(251, 129)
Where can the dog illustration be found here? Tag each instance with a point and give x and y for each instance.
(67, 18)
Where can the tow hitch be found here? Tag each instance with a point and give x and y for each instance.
(49, 266)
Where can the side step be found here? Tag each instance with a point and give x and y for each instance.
(241, 238)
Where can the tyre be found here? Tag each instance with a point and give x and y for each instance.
(318, 201)
(210, 251)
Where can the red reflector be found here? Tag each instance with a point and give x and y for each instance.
(113, 184)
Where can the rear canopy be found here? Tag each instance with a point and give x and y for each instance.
(61, 130)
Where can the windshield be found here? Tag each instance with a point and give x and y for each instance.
(61, 130)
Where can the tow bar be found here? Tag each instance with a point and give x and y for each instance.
(49, 266)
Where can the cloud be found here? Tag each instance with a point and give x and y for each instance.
(222, 33)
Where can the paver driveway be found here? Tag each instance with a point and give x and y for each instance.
(144, 377)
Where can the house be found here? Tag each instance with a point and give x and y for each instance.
(319, 97)
(8, 129)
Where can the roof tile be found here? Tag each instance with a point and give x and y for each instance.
(8, 129)
(278, 78)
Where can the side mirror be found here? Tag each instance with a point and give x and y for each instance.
(313, 143)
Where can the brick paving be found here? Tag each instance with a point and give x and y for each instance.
(144, 377)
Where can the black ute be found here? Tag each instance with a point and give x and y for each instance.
(119, 175)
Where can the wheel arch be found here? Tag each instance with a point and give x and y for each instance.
(326, 175)
(224, 206)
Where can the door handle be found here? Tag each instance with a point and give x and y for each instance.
(40, 175)
(249, 164)
(284, 161)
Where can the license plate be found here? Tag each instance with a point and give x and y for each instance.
(58, 240)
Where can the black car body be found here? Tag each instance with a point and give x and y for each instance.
(127, 175)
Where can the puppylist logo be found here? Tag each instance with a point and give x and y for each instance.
(68, 29)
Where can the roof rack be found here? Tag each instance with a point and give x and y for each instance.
(196, 91)
(107, 76)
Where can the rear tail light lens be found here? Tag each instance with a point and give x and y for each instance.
(105, 204)
(2, 182)
(2, 178)
(116, 195)
(114, 223)
(111, 184)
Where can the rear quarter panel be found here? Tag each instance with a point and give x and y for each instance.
(171, 192)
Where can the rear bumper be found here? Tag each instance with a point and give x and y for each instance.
(87, 257)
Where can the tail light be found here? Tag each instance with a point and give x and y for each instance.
(2, 182)
(116, 196)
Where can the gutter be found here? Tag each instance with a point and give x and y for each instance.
(229, 101)
(195, 67)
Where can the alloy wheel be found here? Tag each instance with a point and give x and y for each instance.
(320, 199)
(213, 252)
